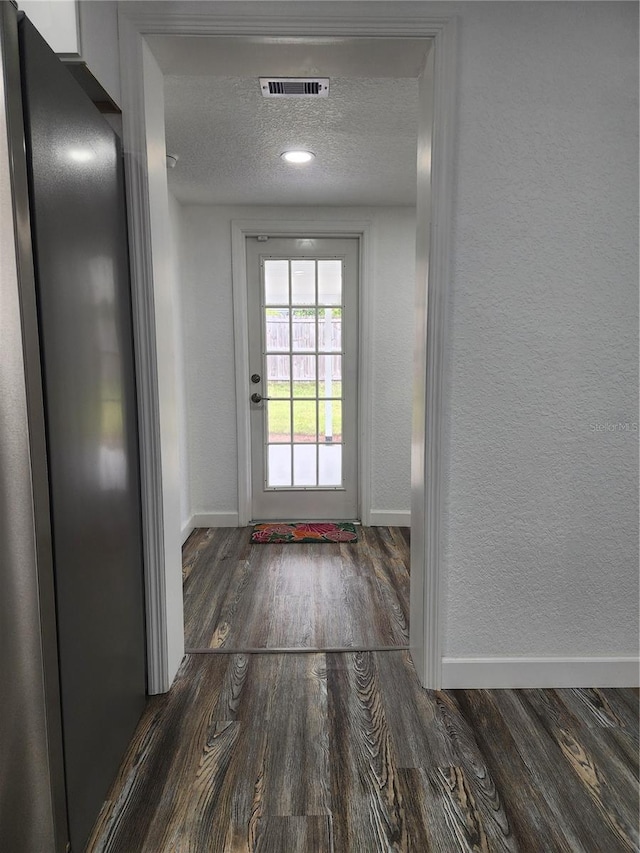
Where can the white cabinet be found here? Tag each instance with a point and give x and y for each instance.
(56, 21)
(83, 31)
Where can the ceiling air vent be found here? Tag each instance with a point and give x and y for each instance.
(295, 87)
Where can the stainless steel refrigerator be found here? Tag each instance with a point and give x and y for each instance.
(77, 342)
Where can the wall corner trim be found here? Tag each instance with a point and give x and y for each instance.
(186, 530)
(160, 669)
(545, 672)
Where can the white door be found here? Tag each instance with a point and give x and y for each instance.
(303, 360)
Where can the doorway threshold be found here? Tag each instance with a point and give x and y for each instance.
(293, 650)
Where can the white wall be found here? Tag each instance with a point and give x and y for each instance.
(207, 311)
(175, 219)
(56, 21)
(542, 546)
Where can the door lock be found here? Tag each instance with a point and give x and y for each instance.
(255, 378)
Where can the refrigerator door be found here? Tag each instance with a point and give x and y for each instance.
(33, 812)
(82, 272)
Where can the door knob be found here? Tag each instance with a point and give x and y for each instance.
(258, 398)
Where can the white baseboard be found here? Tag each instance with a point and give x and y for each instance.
(388, 518)
(488, 673)
(215, 519)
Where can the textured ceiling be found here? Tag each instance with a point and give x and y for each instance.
(229, 139)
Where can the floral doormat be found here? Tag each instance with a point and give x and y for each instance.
(320, 531)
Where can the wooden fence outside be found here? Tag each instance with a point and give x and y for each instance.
(303, 331)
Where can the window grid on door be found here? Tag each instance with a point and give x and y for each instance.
(303, 355)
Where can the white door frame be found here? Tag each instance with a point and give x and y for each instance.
(147, 226)
(240, 230)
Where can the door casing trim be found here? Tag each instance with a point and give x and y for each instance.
(430, 386)
(240, 230)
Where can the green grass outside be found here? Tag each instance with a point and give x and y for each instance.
(304, 410)
(303, 389)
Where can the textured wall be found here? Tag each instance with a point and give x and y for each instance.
(393, 281)
(208, 336)
(542, 549)
(207, 315)
(541, 553)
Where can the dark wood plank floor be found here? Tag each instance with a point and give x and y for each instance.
(345, 753)
(242, 596)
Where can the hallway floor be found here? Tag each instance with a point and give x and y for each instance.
(240, 596)
(344, 752)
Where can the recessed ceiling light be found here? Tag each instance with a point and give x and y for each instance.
(81, 155)
(297, 156)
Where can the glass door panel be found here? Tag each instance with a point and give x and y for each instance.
(304, 375)
(303, 317)
(330, 282)
(305, 421)
(330, 427)
(279, 465)
(330, 329)
(276, 282)
(279, 421)
(278, 375)
(303, 282)
(304, 465)
(303, 328)
(277, 322)
(330, 376)
(330, 465)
